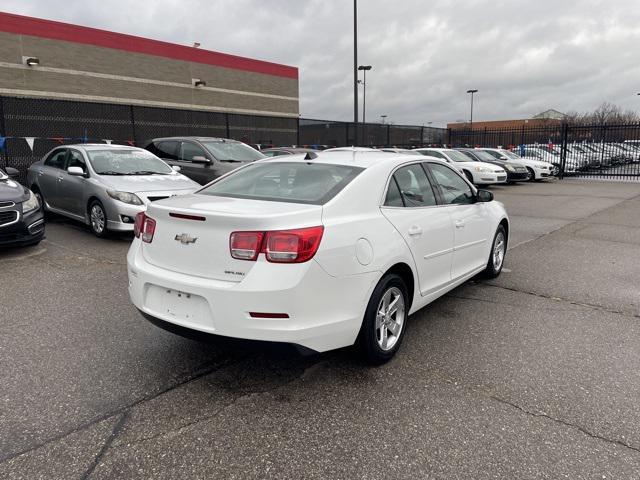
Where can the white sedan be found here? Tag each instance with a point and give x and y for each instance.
(321, 252)
(538, 169)
(478, 173)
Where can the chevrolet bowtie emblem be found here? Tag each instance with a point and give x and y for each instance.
(185, 238)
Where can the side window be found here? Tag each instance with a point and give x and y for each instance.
(453, 188)
(394, 199)
(165, 150)
(75, 160)
(188, 150)
(56, 159)
(415, 189)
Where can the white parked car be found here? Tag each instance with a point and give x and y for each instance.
(538, 169)
(478, 173)
(324, 253)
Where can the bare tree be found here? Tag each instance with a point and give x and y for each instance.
(606, 114)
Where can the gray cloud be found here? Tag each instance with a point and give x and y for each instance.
(523, 56)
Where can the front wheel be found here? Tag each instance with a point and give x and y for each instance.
(498, 252)
(532, 175)
(384, 321)
(98, 219)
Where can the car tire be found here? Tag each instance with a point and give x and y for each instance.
(497, 254)
(98, 219)
(381, 335)
(469, 176)
(532, 175)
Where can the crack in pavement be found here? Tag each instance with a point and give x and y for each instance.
(179, 429)
(115, 431)
(566, 300)
(487, 393)
(119, 411)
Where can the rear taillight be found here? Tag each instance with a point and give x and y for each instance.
(292, 246)
(283, 246)
(144, 227)
(245, 245)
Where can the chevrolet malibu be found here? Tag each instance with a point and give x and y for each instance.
(324, 252)
(104, 186)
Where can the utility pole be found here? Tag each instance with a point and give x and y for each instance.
(355, 69)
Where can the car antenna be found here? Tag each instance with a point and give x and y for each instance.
(311, 156)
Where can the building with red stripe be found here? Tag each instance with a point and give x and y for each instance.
(71, 62)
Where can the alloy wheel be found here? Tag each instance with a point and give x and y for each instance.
(498, 251)
(97, 218)
(390, 318)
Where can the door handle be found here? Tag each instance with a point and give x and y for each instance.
(459, 224)
(414, 230)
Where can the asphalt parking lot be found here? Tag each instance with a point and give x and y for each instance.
(531, 375)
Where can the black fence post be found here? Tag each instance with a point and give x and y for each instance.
(3, 133)
(563, 148)
(298, 132)
(226, 124)
(133, 124)
(388, 135)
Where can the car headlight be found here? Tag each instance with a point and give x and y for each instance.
(125, 197)
(509, 167)
(482, 170)
(30, 204)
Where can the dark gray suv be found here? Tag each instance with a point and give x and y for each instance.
(203, 159)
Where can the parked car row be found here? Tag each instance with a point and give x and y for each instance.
(583, 156)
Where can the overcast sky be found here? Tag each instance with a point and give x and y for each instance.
(523, 56)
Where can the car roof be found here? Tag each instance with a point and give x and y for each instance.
(199, 139)
(359, 158)
(98, 146)
(350, 149)
(289, 149)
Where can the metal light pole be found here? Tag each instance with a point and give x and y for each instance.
(472, 92)
(471, 121)
(383, 117)
(365, 69)
(355, 69)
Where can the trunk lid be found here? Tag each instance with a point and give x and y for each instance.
(201, 247)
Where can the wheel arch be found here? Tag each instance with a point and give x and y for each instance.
(505, 223)
(404, 271)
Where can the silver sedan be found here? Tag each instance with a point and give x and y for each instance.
(104, 186)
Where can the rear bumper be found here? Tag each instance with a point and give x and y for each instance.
(324, 312)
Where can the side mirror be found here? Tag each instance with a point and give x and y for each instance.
(200, 159)
(176, 168)
(75, 171)
(484, 196)
(12, 172)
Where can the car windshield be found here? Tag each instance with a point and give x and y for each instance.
(510, 155)
(457, 156)
(226, 151)
(293, 182)
(127, 162)
(484, 156)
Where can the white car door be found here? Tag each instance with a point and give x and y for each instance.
(412, 208)
(472, 233)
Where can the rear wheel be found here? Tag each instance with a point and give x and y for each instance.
(384, 321)
(498, 252)
(98, 219)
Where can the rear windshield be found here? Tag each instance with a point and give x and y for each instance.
(293, 182)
